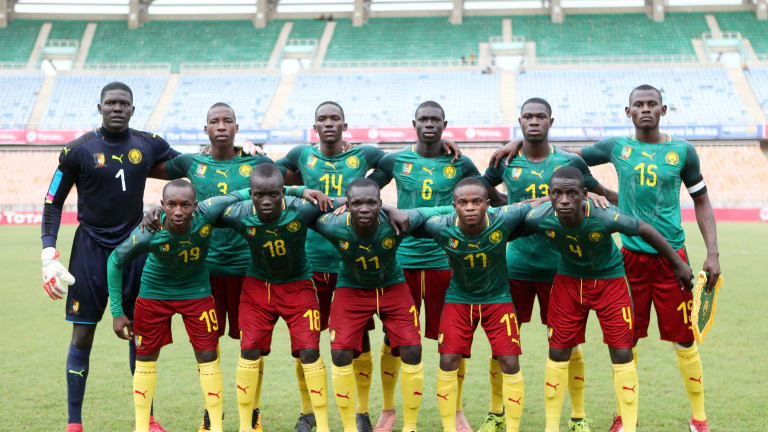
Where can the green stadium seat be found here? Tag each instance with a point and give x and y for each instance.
(747, 24)
(18, 39)
(67, 30)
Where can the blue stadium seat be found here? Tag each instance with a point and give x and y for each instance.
(758, 80)
(17, 98)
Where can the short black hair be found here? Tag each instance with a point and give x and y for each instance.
(266, 170)
(180, 183)
(429, 104)
(538, 101)
(471, 181)
(224, 105)
(568, 172)
(646, 87)
(343, 117)
(362, 182)
(116, 85)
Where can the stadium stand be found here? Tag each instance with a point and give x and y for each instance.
(410, 38)
(249, 96)
(67, 30)
(17, 40)
(17, 98)
(74, 99)
(758, 81)
(390, 99)
(747, 24)
(607, 35)
(597, 97)
(304, 28)
(183, 41)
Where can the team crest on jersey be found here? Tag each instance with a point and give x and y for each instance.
(516, 173)
(449, 171)
(245, 170)
(311, 162)
(165, 247)
(137, 340)
(550, 234)
(625, 152)
(294, 226)
(251, 232)
(672, 158)
(440, 338)
(495, 237)
(550, 332)
(595, 236)
(407, 168)
(453, 243)
(332, 335)
(205, 231)
(99, 160)
(388, 243)
(344, 245)
(201, 170)
(75, 306)
(135, 156)
(353, 162)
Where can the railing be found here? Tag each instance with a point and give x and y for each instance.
(12, 66)
(677, 58)
(392, 63)
(726, 35)
(62, 43)
(149, 66)
(301, 42)
(203, 66)
(513, 39)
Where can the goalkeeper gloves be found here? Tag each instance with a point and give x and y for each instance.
(54, 274)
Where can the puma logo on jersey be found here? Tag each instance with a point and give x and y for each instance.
(274, 233)
(474, 245)
(540, 174)
(649, 156)
(574, 238)
(185, 242)
(67, 150)
(225, 173)
(226, 212)
(118, 158)
(331, 164)
(366, 248)
(427, 170)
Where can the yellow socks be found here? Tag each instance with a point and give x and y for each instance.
(212, 386)
(344, 387)
(363, 367)
(257, 398)
(306, 402)
(447, 390)
(246, 380)
(576, 383)
(144, 382)
(316, 383)
(412, 384)
(390, 366)
(634, 357)
(555, 382)
(460, 373)
(690, 367)
(497, 399)
(627, 388)
(513, 400)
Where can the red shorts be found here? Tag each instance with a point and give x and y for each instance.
(431, 286)
(352, 308)
(524, 293)
(152, 323)
(226, 297)
(459, 321)
(262, 303)
(652, 281)
(573, 298)
(325, 283)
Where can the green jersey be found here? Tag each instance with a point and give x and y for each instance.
(649, 183)
(366, 262)
(330, 175)
(534, 258)
(422, 182)
(476, 260)
(228, 254)
(176, 267)
(277, 248)
(588, 250)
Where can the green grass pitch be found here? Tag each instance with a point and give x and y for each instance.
(34, 339)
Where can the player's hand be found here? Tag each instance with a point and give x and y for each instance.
(683, 274)
(122, 327)
(346, 145)
(151, 220)
(248, 147)
(399, 220)
(340, 209)
(54, 274)
(318, 198)
(599, 200)
(712, 268)
(507, 152)
(450, 147)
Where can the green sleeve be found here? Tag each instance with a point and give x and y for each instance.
(589, 181)
(691, 172)
(235, 213)
(372, 155)
(385, 168)
(136, 244)
(327, 223)
(291, 160)
(431, 227)
(420, 215)
(179, 166)
(308, 211)
(469, 169)
(213, 208)
(494, 175)
(600, 152)
(535, 217)
(294, 191)
(616, 221)
(513, 218)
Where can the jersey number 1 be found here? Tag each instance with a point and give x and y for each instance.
(121, 175)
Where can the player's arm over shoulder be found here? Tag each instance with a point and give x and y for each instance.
(616, 221)
(600, 152)
(385, 168)
(177, 167)
(534, 218)
(221, 210)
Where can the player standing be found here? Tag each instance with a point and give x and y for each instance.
(109, 166)
(591, 276)
(532, 262)
(475, 242)
(425, 176)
